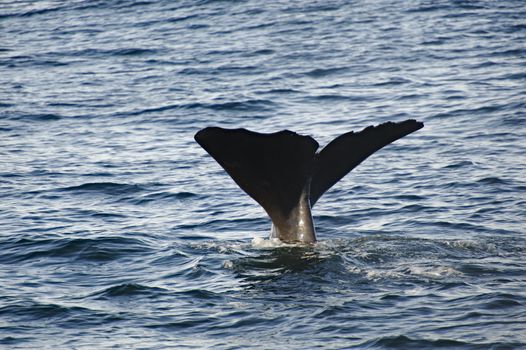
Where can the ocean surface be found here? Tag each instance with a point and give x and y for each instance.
(118, 231)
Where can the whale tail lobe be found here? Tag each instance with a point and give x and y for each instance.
(281, 170)
(271, 168)
(347, 151)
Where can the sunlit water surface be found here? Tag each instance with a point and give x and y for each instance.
(118, 230)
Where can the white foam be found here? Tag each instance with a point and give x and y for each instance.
(228, 264)
(379, 274)
(262, 243)
(473, 245)
(433, 272)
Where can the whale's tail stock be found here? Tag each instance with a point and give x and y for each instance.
(283, 172)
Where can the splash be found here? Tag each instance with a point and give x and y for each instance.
(272, 242)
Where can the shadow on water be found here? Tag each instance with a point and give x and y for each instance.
(275, 262)
(286, 270)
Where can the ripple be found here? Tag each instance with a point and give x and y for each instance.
(239, 106)
(36, 311)
(461, 164)
(77, 249)
(248, 105)
(501, 303)
(116, 231)
(324, 72)
(405, 342)
(492, 181)
(34, 12)
(393, 82)
(163, 195)
(111, 188)
(132, 51)
(43, 117)
(127, 290)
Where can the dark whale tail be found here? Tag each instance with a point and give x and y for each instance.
(283, 172)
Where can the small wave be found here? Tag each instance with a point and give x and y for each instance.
(405, 342)
(30, 310)
(409, 197)
(335, 98)
(461, 164)
(127, 290)
(512, 52)
(104, 187)
(324, 72)
(161, 196)
(241, 105)
(197, 26)
(155, 109)
(492, 180)
(478, 269)
(134, 52)
(29, 61)
(409, 97)
(465, 112)
(181, 18)
(263, 52)
(66, 316)
(131, 51)
(32, 12)
(35, 311)
(41, 117)
(502, 302)
(248, 105)
(99, 214)
(196, 320)
(514, 121)
(236, 69)
(197, 294)
(12, 341)
(414, 208)
(281, 91)
(515, 76)
(76, 249)
(516, 28)
(393, 82)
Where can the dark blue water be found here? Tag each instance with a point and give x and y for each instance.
(118, 231)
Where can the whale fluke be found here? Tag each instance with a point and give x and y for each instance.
(284, 174)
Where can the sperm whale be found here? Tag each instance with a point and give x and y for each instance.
(286, 175)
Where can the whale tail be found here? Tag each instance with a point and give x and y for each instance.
(282, 170)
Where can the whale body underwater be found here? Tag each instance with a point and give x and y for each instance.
(286, 175)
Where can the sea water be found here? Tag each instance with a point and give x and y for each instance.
(118, 231)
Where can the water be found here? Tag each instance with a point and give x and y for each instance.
(118, 230)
